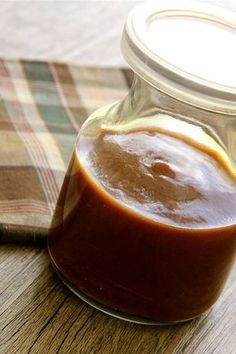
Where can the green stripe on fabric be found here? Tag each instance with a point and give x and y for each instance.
(52, 111)
(44, 90)
(50, 107)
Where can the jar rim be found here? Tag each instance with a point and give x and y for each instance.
(168, 78)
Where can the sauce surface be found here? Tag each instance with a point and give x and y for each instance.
(161, 177)
(145, 224)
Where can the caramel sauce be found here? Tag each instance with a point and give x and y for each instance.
(145, 224)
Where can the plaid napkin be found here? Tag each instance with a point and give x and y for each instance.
(42, 106)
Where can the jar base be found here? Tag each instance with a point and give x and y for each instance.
(108, 310)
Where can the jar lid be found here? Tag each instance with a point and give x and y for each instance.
(186, 49)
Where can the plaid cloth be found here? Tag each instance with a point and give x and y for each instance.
(42, 106)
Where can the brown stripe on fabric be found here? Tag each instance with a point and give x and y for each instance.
(7, 90)
(86, 76)
(71, 95)
(97, 77)
(13, 182)
(98, 86)
(51, 184)
(128, 75)
(5, 123)
(3, 72)
(79, 115)
(12, 150)
(34, 149)
(16, 116)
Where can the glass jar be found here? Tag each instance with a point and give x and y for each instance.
(144, 227)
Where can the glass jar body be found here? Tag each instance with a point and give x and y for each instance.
(118, 258)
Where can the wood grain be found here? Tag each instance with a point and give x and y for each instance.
(38, 314)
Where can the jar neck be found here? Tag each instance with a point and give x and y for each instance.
(144, 100)
(149, 99)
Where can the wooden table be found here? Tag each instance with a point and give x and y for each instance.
(37, 313)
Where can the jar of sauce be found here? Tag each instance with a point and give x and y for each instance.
(145, 224)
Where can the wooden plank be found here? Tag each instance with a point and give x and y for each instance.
(38, 314)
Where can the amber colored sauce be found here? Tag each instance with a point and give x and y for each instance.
(145, 224)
